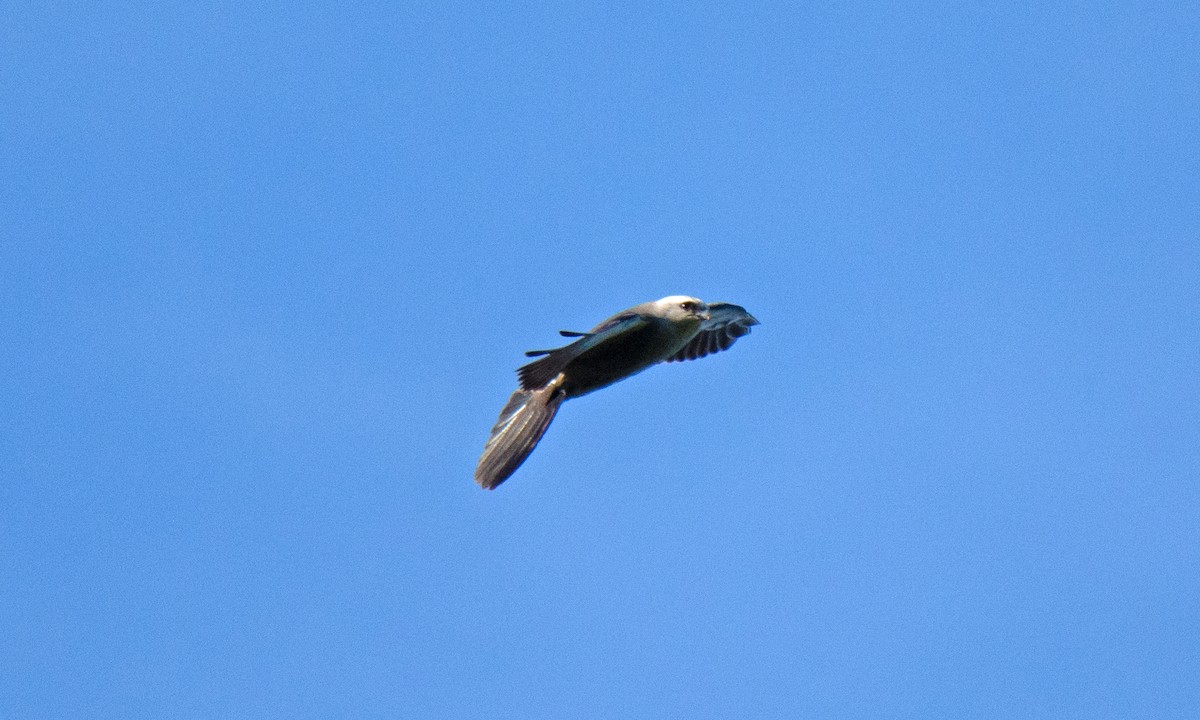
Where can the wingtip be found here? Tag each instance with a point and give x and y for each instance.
(486, 478)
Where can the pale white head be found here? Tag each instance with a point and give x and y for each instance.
(681, 308)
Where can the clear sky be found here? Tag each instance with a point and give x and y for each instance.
(267, 269)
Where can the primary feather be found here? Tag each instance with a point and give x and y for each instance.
(726, 323)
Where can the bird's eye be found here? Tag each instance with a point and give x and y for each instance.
(689, 305)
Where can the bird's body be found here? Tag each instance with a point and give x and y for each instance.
(673, 328)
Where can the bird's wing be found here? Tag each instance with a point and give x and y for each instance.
(539, 372)
(726, 324)
(522, 423)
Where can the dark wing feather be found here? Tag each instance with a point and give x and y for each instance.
(539, 372)
(726, 324)
(522, 423)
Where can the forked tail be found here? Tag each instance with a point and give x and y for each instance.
(522, 423)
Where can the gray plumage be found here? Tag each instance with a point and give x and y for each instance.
(672, 329)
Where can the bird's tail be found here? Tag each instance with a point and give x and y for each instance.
(522, 423)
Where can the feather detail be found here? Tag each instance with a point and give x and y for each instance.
(725, 325)
(520, 426)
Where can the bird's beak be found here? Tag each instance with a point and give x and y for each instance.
(705, 316)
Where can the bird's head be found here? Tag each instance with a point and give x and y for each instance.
(681, 308)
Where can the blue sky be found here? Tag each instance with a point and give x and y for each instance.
(267, 271)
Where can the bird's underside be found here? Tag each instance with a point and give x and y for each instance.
(675, 328)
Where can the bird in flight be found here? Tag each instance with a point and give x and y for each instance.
(675, 328)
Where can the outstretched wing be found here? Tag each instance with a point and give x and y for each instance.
(726, 324)
(522, 423)
(539, 372)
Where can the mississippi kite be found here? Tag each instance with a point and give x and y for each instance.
(675, 328)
